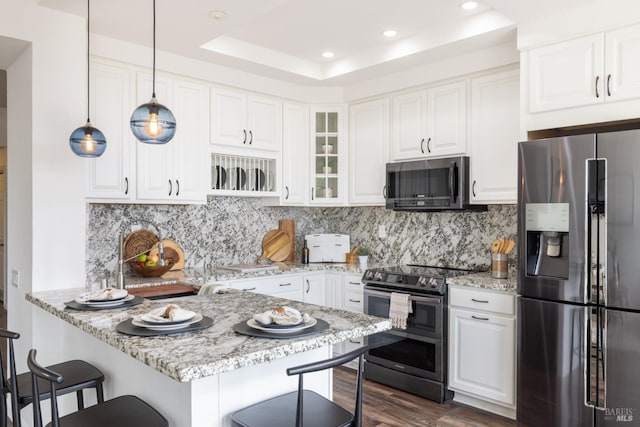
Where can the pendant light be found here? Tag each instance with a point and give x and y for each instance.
(153, 123)
(87, 141)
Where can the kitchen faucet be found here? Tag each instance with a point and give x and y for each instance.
(121, 260)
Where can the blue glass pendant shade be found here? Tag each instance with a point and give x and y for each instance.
(87, 141)
(153, 123)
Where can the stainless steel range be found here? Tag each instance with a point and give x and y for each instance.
(416, 361)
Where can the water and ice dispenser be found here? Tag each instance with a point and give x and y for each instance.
(547, 227)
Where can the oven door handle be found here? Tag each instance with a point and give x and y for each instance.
(411, 297)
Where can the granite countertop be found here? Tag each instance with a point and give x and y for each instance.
(215, 350)
(484, 280)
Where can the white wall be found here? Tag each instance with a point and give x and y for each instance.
(46, 217)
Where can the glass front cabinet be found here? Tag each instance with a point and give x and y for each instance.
(328, 156)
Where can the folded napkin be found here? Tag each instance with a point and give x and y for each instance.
(281, 316)
(399, 309)
(168, 313)
(105, 294)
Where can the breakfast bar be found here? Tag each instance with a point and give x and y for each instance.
(198, 378)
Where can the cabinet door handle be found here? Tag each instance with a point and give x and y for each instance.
(285, 284)
(249, 289)
(357, 301)
(250, 137)
(597, 93)
(311, 193)
(170, 187)
(609, 85)
(244, 141)
(126, 186)
(479, 318)
(429, 145)
(287, 189)
(479, 300)
(473, 188)
(308, 286)
(422, 145)
(178, 187)
(384, 191)
(355, 283)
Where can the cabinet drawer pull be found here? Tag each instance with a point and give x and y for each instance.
(597, 93)
(249, 289)
(170, 187)
(479, 318)
(285, 284)
(479, 300)
(244, 141)
(355, 283)
(357, 301)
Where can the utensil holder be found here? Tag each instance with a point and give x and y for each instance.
(499, 266)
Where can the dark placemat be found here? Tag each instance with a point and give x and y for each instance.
(126, 327)
(77, 306)
(244, 329)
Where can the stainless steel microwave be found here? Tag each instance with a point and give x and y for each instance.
(429, 185)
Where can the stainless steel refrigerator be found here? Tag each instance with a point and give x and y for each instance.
(579, 281)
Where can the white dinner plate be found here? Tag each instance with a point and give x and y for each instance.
(281, 330)
(142, 324)
(109, 303)
(148, 321)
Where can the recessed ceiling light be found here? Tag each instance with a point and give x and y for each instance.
(469, 5)
(217, 15)
(327, 54)
(389, 33)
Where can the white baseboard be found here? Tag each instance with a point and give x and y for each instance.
(505, 411)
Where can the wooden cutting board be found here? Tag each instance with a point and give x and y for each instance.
(275, 246)
(178, 263)
(159, 291)
(289, 228)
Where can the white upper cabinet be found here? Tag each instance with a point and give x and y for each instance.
(248, 121)
(622, 62)
(567, 74)
(173, 172)
(110, 175)
(328, 156)
(493, 137)
(589, 70)
(429, 123)
(368, 152)
(295, 154)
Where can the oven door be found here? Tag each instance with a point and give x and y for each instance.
(410, 354)
(427, 311)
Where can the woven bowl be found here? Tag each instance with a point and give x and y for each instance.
(150, 271)
(138, 242)
(351, 258)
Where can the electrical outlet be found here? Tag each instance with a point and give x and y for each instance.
(15, 278)
(135, 227)
(382, 231)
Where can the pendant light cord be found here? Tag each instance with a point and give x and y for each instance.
(88, 73)
(153, 91)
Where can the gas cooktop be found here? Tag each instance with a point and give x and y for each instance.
(420, 278)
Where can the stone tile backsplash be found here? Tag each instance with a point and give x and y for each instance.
(229, 230)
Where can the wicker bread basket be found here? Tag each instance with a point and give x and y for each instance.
(138, 242)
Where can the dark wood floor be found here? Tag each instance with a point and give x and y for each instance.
(387, 407)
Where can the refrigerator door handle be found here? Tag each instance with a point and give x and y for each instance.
(595, 353)
(590, 392)
(602, 357)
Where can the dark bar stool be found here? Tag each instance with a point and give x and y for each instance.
(123, 411)
(78, 375)
(305, 407)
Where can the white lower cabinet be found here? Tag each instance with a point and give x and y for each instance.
(313, 289)
(283, 286)
(482, 349)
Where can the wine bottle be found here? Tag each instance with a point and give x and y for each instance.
(305, 253)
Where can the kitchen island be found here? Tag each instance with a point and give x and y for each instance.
(197, 378)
